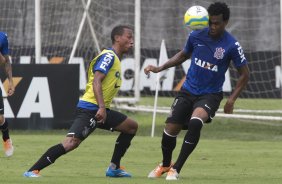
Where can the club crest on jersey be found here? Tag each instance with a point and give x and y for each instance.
(219, 53)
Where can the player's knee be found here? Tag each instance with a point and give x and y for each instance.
(172, 129)
(195, 124)
(128, 127)
(71, 143)
(133, 128)
(2, 120)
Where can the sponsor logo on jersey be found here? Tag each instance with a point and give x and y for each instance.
(107, 60)
(206, 65)
(116, 85)
(241, 52)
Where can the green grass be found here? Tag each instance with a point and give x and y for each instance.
(213, 162)
(230, 151)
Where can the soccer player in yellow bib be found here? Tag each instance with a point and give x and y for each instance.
(93, 109)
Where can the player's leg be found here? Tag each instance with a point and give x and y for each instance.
(45, 160)
(83, 125)
(204, 110)
(168, 144)
(127, 127)
(7, 141)
(190, 142)
(180, 109)
(4, 126)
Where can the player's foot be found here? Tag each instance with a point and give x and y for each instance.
(8, 147)
(32, 174)
(120, 172)
(172, 174)
(159, 171)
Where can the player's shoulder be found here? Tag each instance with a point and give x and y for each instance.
(3, 34)
(199, 32)
(3, 37)
(107, 55)
(229, 37)
(231, 41)
(108, 51)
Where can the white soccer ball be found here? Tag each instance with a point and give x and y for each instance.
(196, 17)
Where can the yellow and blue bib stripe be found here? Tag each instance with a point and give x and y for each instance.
(108, 63)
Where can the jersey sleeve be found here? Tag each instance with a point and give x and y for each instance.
(188, 48)
(237, 55)
(104, 63)
(4, 45)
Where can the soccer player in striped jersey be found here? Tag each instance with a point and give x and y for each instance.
(211, 50)
(5, 61)
(93, 109)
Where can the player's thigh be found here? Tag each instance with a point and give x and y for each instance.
(83, 125)
(206, 106)
(128, 126)
(181, 108)
(201, 113)
(114, 119)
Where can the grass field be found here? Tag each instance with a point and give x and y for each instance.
(230, 151)
(214, 161)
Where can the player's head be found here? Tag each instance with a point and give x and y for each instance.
(219, 14)
(122, 36)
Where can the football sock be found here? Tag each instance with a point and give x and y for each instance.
(190, 142)
(49, 157)
(168, 145)
(5, 131)
(122, 143)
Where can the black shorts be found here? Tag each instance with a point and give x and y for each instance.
(185, 103)
(1, 103)
(84, 123)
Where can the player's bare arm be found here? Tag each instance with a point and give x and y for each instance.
(241, 83)
(177, 59)
(97, 89)
(2, 59)
(8, 70)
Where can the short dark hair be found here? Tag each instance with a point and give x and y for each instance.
(118, 30)
(219, 8)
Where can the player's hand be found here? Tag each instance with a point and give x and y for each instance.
(101, 115)
(11, 89)
(228, 107)
(150, 68)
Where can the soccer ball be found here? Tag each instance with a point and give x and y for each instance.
(196, 17)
